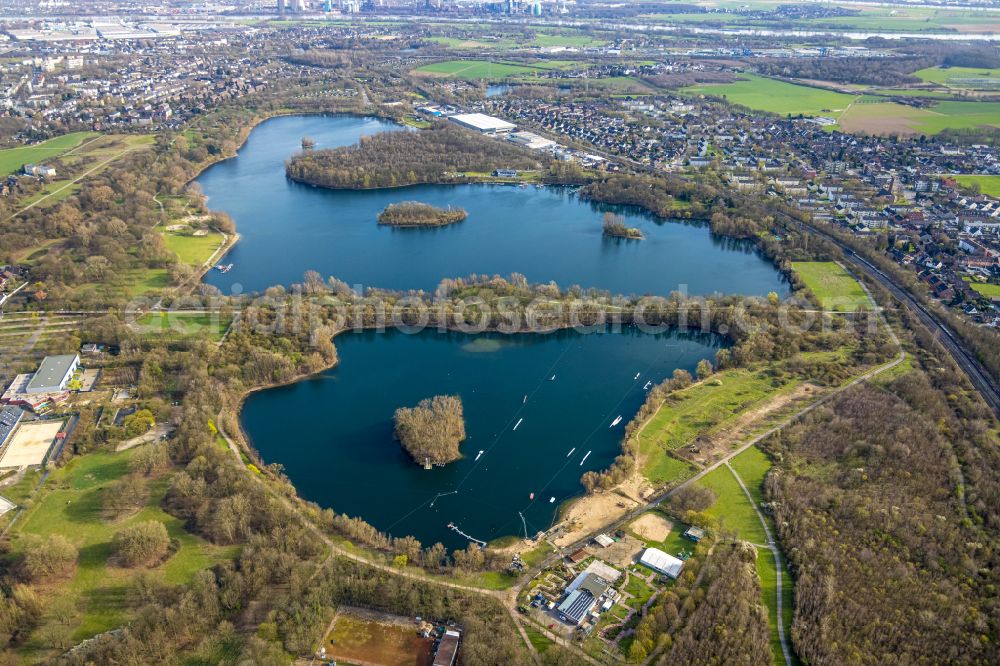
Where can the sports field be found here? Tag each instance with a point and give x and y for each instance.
(832, 285)
(12, 159)
(30, 444)
(773, 96)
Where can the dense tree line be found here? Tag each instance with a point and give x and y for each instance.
(889, 567)
(865, 71)
(392, 159)
(729, 626)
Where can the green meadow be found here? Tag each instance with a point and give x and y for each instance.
(773, 96)
(11, 159)
(829, 282)
(70, 504)
(989, 185)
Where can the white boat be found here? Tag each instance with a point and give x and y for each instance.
(585, 459)
(615, 422)
(525, 399)
(637, 375)
(518, 423)
(551, 500)
(646, 387)
(479, 455)
(552, 378)
(571, 452)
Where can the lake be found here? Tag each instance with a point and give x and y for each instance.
(334, 431)
(546, 234)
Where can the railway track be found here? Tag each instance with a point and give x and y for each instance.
(977, 374)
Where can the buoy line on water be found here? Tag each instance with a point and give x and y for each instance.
(595, 430)
(496, 440)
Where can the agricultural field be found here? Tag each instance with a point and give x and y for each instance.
(893, 118)
(829, 282)
(962, 78)
(473, 70)
(989, 185)
(11, 159)
(773, 96)
(96, 597)
(478, 70)
(701, 409)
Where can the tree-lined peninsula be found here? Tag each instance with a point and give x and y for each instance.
(432, 431)
(444, 153)
(419, 214)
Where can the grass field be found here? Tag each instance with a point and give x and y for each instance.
(829, 282)
(70, 504)
(764, 94)
(988, 290)
(699, 409)
(473, 70)
(192, 250)
(989, 185)
(11, 159)
(537, 638)
(893, 118)
(182, 324)
(732, 510)
(752, 465)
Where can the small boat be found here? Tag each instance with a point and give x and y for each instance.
(551, 500)
(525, 399)
(615, 422)
(571, 452)
(637, 375)
(585, 459)
(646, 387)
(518, 423)
(223, 268)
(479, 455)
(531, 496)
(552, 378)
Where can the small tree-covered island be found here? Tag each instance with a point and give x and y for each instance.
(615, 227)
(432, 431)
(419, 214)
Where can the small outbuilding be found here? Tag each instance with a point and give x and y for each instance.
(695, 534)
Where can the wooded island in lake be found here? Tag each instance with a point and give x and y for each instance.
(432, 431)
(419, 214)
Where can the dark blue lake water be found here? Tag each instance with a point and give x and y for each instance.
(544, 233)
(333, 432)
